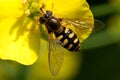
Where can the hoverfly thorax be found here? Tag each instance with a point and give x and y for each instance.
(52, 23)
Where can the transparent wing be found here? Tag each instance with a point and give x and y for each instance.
(82, 27)
(99, 25)
(55, 56)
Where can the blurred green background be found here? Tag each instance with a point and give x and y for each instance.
(99, 58)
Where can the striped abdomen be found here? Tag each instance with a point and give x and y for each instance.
(68, 39)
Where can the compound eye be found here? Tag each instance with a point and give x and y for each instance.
(42, 20)
(48, 14)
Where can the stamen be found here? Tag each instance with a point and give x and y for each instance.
(27, 12)
(41, 8)
(24, 1)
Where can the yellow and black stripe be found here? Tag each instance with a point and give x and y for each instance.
(68, 39)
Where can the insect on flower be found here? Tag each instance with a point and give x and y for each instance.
(61, 34)
(66, 28)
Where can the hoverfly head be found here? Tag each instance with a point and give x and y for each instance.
(48, 14)
(45, 16)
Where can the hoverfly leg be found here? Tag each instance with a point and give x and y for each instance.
(60, 19)
(58, 42)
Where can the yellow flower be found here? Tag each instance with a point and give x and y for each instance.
(18, 42)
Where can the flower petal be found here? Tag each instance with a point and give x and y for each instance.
(16, 41)
(10, 8)
(68, 8)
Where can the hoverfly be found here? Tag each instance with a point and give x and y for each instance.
(61, 34)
